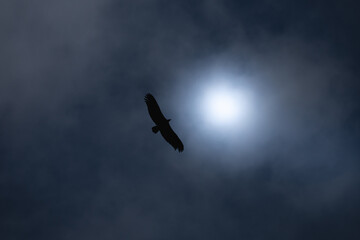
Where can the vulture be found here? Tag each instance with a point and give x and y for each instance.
(162, 124)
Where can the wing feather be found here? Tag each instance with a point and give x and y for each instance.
(154, 109)
(171, 137)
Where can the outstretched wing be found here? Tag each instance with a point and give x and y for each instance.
(154, 109)
(171, 137)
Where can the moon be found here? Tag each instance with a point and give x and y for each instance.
(225, 106)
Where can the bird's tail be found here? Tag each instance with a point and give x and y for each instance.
(155, 129)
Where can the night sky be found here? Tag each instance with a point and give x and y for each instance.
(78, 159)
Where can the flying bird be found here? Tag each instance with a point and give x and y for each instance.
(162, 124)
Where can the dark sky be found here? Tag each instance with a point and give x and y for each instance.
(78, 159)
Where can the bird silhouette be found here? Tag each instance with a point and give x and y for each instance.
(162, 124)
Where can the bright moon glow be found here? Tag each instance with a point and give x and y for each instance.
(225, 106)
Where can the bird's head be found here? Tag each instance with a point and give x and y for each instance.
(168, 120)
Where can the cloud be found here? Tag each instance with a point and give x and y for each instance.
(80, 160)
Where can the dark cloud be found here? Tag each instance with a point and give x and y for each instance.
(77, 152)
